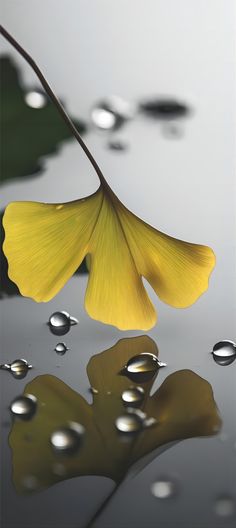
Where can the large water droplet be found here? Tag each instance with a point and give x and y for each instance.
(60, 322)
(111, 113)
(36, 99)
(224, 352)
(133, 396)
(142, 367)
(61, 349)
(24, 407)
(163, 488)
(18, 368)
(67, 439)
(225, 506)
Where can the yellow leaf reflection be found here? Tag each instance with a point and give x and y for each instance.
(46, 243)
(183, 407)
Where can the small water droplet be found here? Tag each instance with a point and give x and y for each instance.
(163, 488)
(93, 390)
(133, 396)
(61, 349)
(132, 422)
(225, 506)
(117, 145)
(67, 439)
(111, 113)
(36, 99)
(59, 207)
(142, 367)
(59, 469)
(60, 322)
(30, 482)
(224, 352)
(24, 407)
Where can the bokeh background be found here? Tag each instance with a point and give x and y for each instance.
(178, 176)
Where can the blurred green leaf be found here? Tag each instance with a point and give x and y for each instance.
(183, 407)
(27, 133)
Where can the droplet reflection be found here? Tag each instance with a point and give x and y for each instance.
(111, 113)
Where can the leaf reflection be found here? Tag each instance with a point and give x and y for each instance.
(183, 406)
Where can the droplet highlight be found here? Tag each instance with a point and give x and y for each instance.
(61, 349)
(24, 407)
(133, 396)
(163, 488)
(67, 440)
(224, 352)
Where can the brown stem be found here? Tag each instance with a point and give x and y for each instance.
(55, 100)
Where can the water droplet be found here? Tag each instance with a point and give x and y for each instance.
(111, 113)
(36, 99)
(117, 145)
(93, 390)
(59, 469)
(67, 439)
(142, 367)
(133, 396)
(225, 506)
(132, 422)
(163, 488)
(18, 368)
(224, 352)
(30, 482)
(61, 349)
(60, 322)
(172, 130)
(24, 407)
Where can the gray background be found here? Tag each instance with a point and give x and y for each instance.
(183, 186)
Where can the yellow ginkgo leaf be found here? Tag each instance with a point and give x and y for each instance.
(45, 244)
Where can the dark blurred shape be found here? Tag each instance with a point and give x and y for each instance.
(117, 145)
(7, 287)
(164, 108)
(31, 127)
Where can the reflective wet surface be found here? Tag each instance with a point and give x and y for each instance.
(84, 444)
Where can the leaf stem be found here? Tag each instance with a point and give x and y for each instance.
(103, 505)
(55, 100)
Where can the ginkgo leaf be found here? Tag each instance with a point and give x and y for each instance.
(28, 133)
(46, 243)
(183, 406)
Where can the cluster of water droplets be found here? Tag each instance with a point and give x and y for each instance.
(140, 369)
